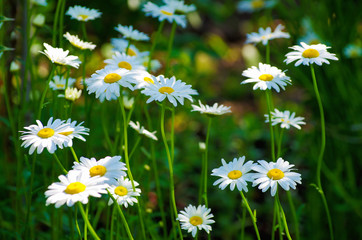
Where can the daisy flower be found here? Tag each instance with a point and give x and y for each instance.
(180, 6)
(285, 119)
(352, 51)
(49, 136)
(129, 33)
(165, 12)
(59, 82)
(141, 130)
(108, 167)
(74, 187)
(266, 77)
(174, 90)
(274, 173)
(143, 78)
(77, 132)
(122, 191)
(123, 61)
(82, 13)
(249, 6)
(76, 42)
(235, 173)
(105, 83)
(59, 56)
(193, 218)
(71, 94)
(120, 45)
(211, 110)
(309, 54)
(265, 35)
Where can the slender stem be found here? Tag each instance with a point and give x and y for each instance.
(268, 99)
(45, 91)
(128, 45)
(280, 142)
(267, 53)
(84, 31)
(253, 218)
(28, 207)
(154, 42)
(172, 133)
(170, 44)
(61, 23)
(60, 164)
(55, 23)
(86, 221)
(85, 225)
(321, 153)
(202, 178)
(294, 215)
(275, 208)
(124, 221)
(172, 188)
(205, 165)
(242, 235)
(280, 226)
(135, 145)
(74, 154)
(283, 217)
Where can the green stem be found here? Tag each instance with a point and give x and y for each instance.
(205, 159)
(268, 99)
(84, 31)
(280, 142)
(61, 23)
(169, 158)
(28, 207)
(274, 219)
(60, 164)
(76, 222)
(253, 218)
(242, 235)
(74, 154)
(135, 145)
(55, 23)
(45, 91)
(267, 53)
(85, 225)
(321, 153)
(154, 42)
(172, 133)
(283, 217)
(294, 215)
(169, 49)
(86, 221)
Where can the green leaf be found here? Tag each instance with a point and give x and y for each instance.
(4, 19)
(3, 48)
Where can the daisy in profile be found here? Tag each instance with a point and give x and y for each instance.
(214, 110)
(141, 130)
(59, 82)
(105, 83)
(272, 174)
(123, 61)
(193, 219)
(165, 12)
(39, 136)
(71, 94)
(143, 78)
(264, 35)
(309, 54)
(132, 34)
(59, 56)
(122, 191)
(170, 88)
(76, 42)
(109, 167)
(266, 77)
(77, 132)
(120, 45)
(83, 14)
(74, 187)
(180, 6)
(285, 119)
(249, 6)
(235, 173)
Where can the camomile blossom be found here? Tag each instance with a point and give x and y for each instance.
(264, 35)
(170, 88)
(74, 187)
(120, 45)
(123, 61)
(122, 191)
(83, 14)
(109, 167)
(272, 174)
(165, 12)
(71, 94)
(249, 6)
(141, 130)
(59, 82)
(143, 78)
(213, 110)
(285, 119)
(61, 57)
(76, 42)
(38, 136)
(266, 77)
(105, 83)
(77, 132)
(235, 173)
(180, 6)
(309, 54)
(193, 219)
(352, 51)
(129, 33)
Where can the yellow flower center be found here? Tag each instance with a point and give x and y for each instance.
(310, 53)
(46, 133)
(84, 17)
(98, 170)
(166, 13)
(235, 174)
(130, 52)
(266, 36)
(60, 85)
(196, 220)
(75, 187)
(149, 80)
(164, 90)
(125, 65)
(266, 77)
(121, 191)
(112, 77)
(257, 4)
(275, 174)
(66, 133)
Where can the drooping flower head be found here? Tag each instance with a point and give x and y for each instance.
(83, 14)
(59, 56)
(285, 119)
(122, 191)
(309, 54)
(214, 110)
(165, 12)
(132, 34)
(76, 42)
(266, 77)
(264, 35)
(193, 219)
